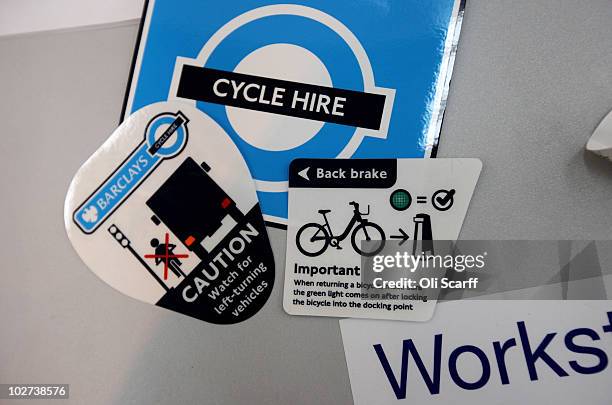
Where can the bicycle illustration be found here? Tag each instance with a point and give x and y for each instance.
(313, 239)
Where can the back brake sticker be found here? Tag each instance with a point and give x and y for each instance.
(347, 214)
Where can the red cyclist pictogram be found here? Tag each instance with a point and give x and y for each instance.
(165, 252)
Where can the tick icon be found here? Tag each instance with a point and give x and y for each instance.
(443, 200)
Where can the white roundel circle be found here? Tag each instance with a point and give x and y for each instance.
(292, 63)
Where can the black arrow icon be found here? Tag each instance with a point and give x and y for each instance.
(404, 236)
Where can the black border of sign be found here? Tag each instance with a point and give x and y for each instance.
(126, 96)
(451, 65)
(434, 149)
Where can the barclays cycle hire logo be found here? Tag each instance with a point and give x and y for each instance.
(282, 95)
(165, 137)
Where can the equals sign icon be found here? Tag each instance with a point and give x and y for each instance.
(421, 199)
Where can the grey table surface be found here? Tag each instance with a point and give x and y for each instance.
(532, 80)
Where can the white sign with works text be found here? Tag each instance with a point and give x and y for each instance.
(485, 352)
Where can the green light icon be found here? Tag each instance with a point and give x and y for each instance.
(400, 199)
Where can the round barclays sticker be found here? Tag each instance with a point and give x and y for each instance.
(166, 212)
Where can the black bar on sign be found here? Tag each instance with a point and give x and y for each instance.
(320, 103)
(343, 173)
